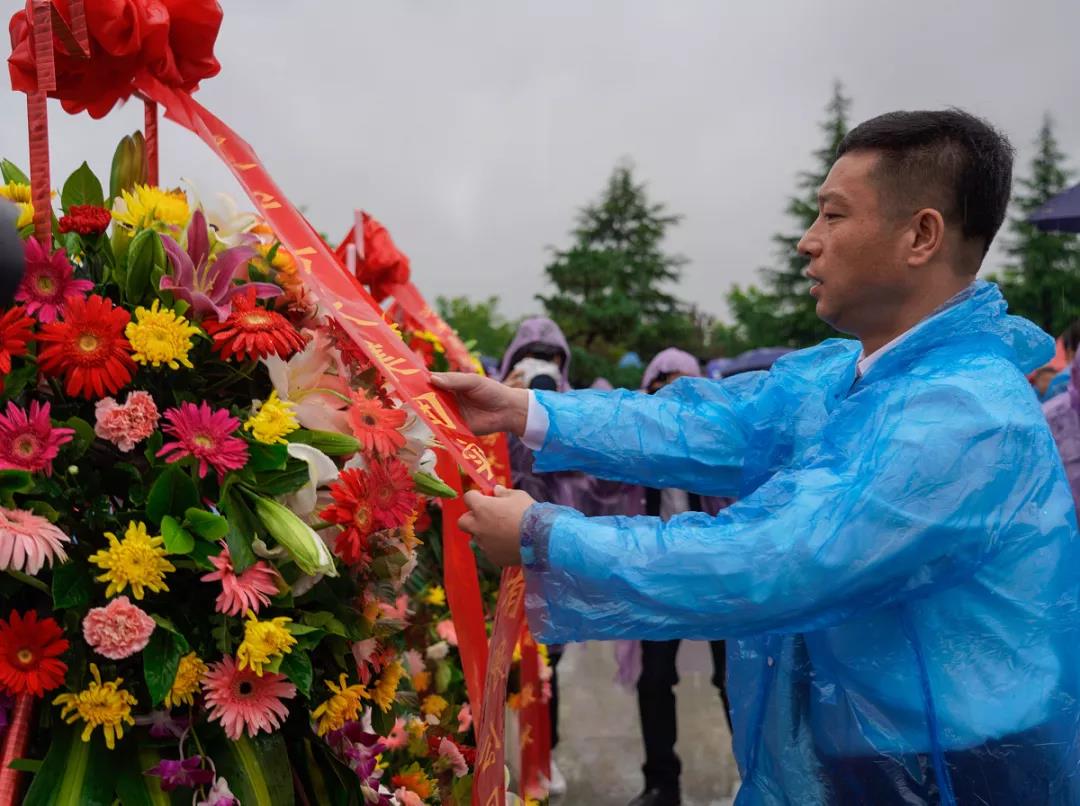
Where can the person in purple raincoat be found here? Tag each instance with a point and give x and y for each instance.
(1063, 414)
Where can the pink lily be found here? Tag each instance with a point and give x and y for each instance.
(207, 285)
(320, 399)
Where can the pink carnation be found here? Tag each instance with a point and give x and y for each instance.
(447, 631)
(449, 751)
(118, 630)
(407, 797)
(127, 424)
(414, 662)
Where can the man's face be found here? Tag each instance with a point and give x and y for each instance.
(856, 262)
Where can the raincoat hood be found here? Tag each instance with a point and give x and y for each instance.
(537, 329)
(668, 361)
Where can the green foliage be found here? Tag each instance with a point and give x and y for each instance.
(161, 659)
(478, 322)
(82, 187)
(612, 284)
(781, 313)
(1042, 281)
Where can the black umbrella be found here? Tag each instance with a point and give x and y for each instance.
(1060, 214)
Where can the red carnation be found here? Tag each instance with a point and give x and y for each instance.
(86, 219)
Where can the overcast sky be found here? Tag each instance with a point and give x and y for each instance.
(475, 128)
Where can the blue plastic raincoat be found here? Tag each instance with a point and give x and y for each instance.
(901, 570)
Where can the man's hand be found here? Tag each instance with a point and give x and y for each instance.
(495, 523)
(487, 406)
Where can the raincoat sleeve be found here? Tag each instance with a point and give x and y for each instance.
(874, 518)
(691, 435)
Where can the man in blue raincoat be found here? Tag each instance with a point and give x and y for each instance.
(900, 576)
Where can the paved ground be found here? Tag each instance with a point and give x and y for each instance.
(600, 752)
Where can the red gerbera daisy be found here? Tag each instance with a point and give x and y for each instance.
(15, 333)
(352, 508)
(375, 425)
(28, 654)
(87, 348)
(252, 331)
(392, 492)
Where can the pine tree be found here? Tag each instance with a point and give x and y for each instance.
(1043, 281)
(787, 287)
(611, 285)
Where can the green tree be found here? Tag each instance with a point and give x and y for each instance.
(611, 284)
(478, 322)
(781, 313)
(1042, 282)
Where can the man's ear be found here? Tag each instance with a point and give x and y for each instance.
(927, 236)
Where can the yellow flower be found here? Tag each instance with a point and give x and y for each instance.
(430, 338)
(20, 194)
(138, 561)
(274, 419)
(408, 534)
(435, 596)
(517, 653)
(104, 704)
(151, 207)
(264, 641)
(189, 675)
(386, 688)
(542, 651)
(434, 705)
(416, 727)
(160, 336)
(342, 706)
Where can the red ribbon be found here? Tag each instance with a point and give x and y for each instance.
(408, 297)
(535, 721)
(150, 135)
(15, 744)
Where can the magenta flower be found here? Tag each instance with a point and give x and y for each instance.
(29, 441)
(48, 281)
(162, 724)
(187, 772)
(205, 434)
(206, 281)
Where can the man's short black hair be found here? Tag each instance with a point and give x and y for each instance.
(950, 160)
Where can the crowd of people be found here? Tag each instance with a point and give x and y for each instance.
(878, 534)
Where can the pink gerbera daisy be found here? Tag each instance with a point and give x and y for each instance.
(207, 435)
(118, 630)
(48, 281)
(28, 541)
(30, 442)
(244, 702)
(241, 592)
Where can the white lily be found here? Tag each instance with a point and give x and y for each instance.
(321, 472)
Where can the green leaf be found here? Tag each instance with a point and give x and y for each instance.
(382, 722)
(326, 620)
(74, 772)
(15, 481)
(443, 673)
(44, 509)
(164, 623)
(144, 254)
(177, 539)
(12, 173)
(283, 482)
(82, 187)
(161, 658)
(72, 586)
(329, 442)
(263, 457)
(134, 787)
(257, 769)
(17, 380)
(242, 530)
(172, 494)
(31, 765)
(297, 667)
(205, 524)
(83, 438)
(427, 484)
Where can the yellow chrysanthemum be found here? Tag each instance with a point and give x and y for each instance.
(151, 207)
(408, 534)
(160, 336)
(386, 688)
(434, 705)
(20, 194)
(138, 560)
(104, 704)
(264, 641)
(342, 706)
(274, 419)
(189, 675)
(435, 596)
(416, 727)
